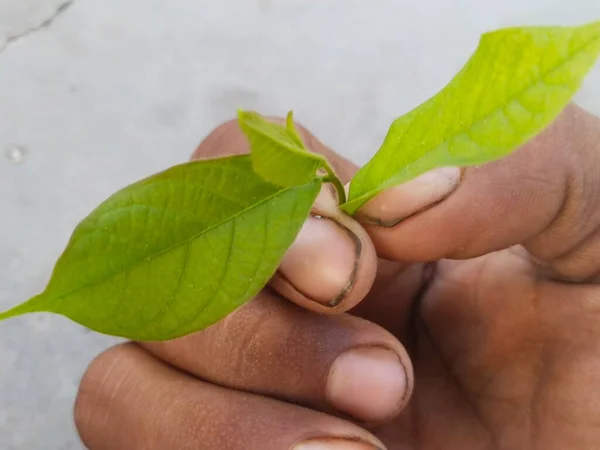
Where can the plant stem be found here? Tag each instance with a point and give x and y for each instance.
(337, 183)
(18, 310)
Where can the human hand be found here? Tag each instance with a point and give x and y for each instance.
(489, 290)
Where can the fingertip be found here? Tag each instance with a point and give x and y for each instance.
(396, 204)
(383, 216)
(370, 383)
(331, 265)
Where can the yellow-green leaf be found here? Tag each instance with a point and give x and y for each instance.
(279, 154)
(515, 84)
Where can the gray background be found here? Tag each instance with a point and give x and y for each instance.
(113, 90)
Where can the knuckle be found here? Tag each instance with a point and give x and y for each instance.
(98, 389)
(264, 331)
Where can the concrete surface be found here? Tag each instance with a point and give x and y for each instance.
(95, 94)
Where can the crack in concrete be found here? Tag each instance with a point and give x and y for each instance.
(11, 39)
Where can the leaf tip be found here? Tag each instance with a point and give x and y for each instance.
(242, 114)
(289, 121)
(351, 206)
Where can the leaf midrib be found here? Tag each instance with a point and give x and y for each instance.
(167, 249)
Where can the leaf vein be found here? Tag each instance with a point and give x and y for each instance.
(177, 289)
(190, 238)
(222, 278)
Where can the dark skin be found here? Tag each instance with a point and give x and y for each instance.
(488, 298)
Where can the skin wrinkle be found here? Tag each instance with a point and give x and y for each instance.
(419, 428)
(472, 298)
(417, 325)
(86, 408)
(467, 393)
(393, 278)
(231, 326)
(194, 428)
(118, 385)
(428, 277)
(489, 380)
(505, 184)
(535, 303)
(594, 279)
(567, 268)
(588, 186)
(573, 348)
(551, 262)
(472, 406)
(539, 365)
(566, 200)
(251, 334)
(576, 204)
(589, 178)
(581, 243)
(567, 417)
(534, 418)
(285, 341)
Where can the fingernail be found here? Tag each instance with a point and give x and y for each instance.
(400, 202)
(322, 263)
(335, 444)
(367, 383)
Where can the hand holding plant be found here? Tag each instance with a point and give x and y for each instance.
(478, 330)
(176, 252)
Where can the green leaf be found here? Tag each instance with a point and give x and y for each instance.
(280, 156)
(516, 83)
(278, 153)
(176, 252)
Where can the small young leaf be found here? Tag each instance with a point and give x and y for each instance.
(280, 156)
(516, 83)
(176, 252)
(278, 153)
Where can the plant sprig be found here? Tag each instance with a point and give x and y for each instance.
(178, 251)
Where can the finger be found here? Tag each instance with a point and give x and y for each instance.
(332, 263)
(340, 364)
(545, 196)
(129, 400)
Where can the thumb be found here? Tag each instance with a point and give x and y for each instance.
(545, 196)
(331, 265)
